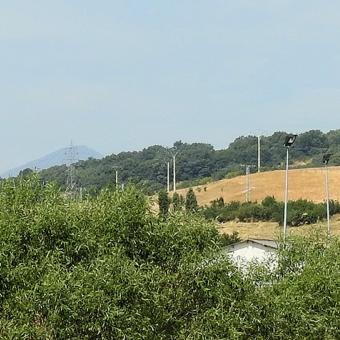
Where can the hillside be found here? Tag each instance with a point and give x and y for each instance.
(271, 230)
(303, 183)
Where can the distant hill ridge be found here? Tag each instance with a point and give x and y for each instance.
(200, 162)
(55, 158)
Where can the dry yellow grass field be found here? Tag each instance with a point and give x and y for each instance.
(303, 183)
(271, 230)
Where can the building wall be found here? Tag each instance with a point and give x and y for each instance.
(245, 254)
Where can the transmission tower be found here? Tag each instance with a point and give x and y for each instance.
(248, 184)
(248, 189)
(71, 157)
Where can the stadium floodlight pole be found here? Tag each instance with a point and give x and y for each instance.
(289, 141)
(325, 161)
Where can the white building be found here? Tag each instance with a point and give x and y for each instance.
(252, 251)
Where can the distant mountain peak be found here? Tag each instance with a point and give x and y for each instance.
(59, 157)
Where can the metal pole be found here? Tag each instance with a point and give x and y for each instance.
(286, 198)
(327, 203)
(247, 183)
(174, 163)
(168, 177)
(259, 154)
(116, 179)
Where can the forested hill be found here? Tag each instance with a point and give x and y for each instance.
(198, 161)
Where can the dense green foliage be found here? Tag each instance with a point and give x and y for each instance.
(191, 204)
(299, 212)
(178, 202)
(106, 268)
(198, 163)
(163, 203)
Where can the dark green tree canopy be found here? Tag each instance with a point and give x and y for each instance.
(191, 204)
(163, 203)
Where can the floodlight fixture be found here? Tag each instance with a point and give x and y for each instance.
(326, 158)
(290, 140)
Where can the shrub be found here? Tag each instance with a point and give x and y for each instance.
(163, 203)
(107, 268)
(191, 201)
(299, 212)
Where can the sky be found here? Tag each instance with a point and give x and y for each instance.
(123, 75)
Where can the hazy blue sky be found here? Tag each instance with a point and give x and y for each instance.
(121, 75)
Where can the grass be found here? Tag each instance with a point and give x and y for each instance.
(272, 230)
(303, 183)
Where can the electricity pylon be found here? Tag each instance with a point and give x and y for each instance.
(71, 157)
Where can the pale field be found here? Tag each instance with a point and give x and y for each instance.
(303, 183)
(272, 230)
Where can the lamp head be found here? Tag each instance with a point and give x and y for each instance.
(326, 158)
(290, 140)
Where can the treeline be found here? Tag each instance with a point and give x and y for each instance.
(198, 162)
(177, 203)
(300, 212)
(107, 268)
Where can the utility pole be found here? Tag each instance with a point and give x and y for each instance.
(115, 169)
(173, 152)
(174, 170)
(259, 154)
(168, 177)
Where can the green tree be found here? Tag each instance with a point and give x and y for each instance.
(177, 203)
(163, 203)
(26, 172)
(191, 201)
